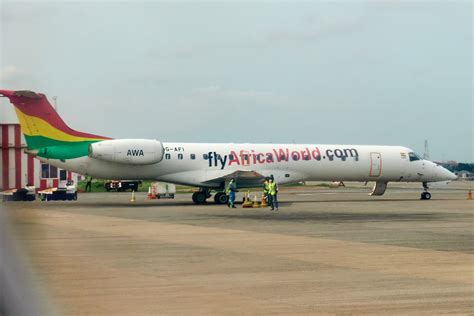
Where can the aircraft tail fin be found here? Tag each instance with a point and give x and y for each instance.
(41, 124)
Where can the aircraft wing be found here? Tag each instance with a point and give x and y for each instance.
(243, 179)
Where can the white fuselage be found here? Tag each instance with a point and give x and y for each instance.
(196, 164)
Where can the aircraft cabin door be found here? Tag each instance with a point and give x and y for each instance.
(375, 164)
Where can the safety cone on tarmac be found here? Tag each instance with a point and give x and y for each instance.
(247, 203)
(469, 195)
(133, 196)
(255, 202)
(151, 195)
(245, 198)
(263, 202)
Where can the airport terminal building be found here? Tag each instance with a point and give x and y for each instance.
(18, 168)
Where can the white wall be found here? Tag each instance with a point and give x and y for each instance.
(7, 113)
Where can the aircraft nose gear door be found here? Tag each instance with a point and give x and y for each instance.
(375, 164)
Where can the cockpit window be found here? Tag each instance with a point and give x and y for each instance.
(413, 156)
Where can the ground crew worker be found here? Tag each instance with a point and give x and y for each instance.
(265, 189)
(230, 192)
(273, 194)
(88, 184)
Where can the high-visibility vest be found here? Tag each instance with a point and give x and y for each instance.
(265, 186)
(227, 190)
(272, 188)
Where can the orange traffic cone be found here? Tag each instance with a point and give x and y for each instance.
(151, 194)
(263, 203)
(469, 195)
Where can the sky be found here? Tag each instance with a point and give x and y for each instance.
(322, 72)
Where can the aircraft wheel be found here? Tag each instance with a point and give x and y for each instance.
(425, 196)
(221, 198)
(201, 197)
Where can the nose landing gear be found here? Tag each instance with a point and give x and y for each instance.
(425, 195)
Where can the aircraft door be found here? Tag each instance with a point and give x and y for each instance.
(375, 164)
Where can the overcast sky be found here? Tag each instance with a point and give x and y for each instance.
(350, 72)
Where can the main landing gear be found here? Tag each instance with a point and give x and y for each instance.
(221, 198)
(425, 195)
(203, 194)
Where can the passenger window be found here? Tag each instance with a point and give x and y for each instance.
(205, 156)
(413, 156)
(180, 156)
(167, 156)
(193, 156)
(231, 157)
(246, 157)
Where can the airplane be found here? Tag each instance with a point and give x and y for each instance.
(209, 166)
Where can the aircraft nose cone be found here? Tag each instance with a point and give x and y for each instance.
(452, 176)
(448, 175)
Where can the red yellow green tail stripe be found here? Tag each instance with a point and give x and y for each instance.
(34, 126)
(44, 129)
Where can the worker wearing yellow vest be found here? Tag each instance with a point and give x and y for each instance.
(265, 189)
(230, 192)
(273, 194)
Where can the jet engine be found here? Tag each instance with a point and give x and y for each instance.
(128, 151)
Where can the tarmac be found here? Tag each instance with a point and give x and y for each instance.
(326, 251)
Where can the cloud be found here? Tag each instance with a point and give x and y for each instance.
(314, 26)
(245, 98)
(11, 74)
(220, 107)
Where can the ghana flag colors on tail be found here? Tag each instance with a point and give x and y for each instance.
(44, 130)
